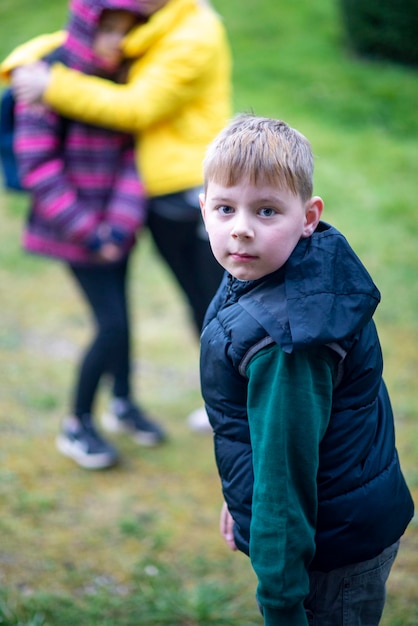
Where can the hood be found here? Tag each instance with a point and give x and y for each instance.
(82, 27)
(139, 40)
(324, 295)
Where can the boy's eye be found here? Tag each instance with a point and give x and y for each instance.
(225, 210)
(267, 212)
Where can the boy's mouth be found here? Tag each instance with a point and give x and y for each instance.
(243, 257)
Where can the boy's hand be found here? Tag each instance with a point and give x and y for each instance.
(29, 82)
(226, 526)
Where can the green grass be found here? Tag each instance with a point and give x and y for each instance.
(139, 545)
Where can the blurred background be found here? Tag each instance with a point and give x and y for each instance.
(140, 544)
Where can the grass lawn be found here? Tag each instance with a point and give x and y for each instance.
(139, 545)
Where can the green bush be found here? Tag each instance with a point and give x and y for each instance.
(383, 29)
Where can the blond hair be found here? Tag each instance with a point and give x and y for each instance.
(260, 150)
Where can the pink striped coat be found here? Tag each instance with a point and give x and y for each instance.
(82, 179)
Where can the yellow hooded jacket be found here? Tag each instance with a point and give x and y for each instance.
(177, 98)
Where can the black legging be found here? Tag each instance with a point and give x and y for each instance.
(104, 287)
(177, 228)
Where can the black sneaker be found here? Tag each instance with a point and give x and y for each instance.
(133, 421)
(80, 441)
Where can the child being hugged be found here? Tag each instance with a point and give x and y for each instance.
(87, 205)
(291, 372)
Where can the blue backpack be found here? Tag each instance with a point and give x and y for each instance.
(7, 155)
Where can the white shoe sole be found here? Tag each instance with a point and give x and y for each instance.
(113, 425)
(87, 461)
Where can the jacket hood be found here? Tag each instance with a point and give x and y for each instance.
(160, 24)
(324, 295)
(81, 29)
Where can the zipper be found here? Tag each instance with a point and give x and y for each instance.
(229, 287)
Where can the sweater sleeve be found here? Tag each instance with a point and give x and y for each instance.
(126, 209)
(289, 407)
(31, 51)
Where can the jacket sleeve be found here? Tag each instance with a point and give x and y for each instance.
(289, 407)
(40, 156)
(126, 209)
(31, 51)
(157, 86)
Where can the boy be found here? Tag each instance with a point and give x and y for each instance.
(291, 372)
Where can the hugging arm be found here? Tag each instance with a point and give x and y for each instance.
(155, 90)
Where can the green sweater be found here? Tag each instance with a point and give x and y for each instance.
(289, 407)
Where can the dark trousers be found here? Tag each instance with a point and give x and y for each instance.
(354, 594)
(176, 225)
(105, 289)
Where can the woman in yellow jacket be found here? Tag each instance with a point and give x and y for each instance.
(176, 100)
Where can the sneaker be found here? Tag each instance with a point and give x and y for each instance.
(199, 421)
(80, 441)
(133, 421)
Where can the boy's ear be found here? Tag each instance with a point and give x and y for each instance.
(313, 212)
(202, 204)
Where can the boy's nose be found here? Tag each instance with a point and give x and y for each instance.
(241, 228)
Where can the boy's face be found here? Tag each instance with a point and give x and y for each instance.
(113, 27)
(253, 229)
